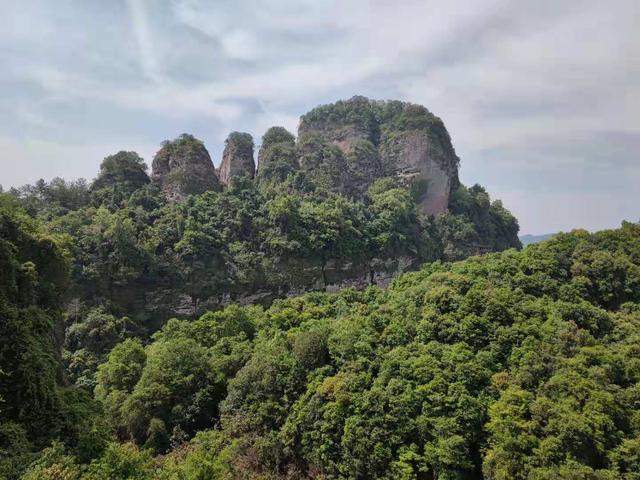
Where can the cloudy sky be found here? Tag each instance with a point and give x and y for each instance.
(542, 98)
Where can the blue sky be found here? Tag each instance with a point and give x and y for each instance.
(542, 99)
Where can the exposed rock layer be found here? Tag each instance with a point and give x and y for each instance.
(237, 158)
(407, 141)
(183, 167)
(344, 147)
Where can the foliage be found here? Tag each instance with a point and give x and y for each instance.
(124, 169)
(96, 383)
(34, 407)
(277, 135)
(476, 225)
(505, 366)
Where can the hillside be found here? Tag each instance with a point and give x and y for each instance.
(95, 274)
(528, 239)
(367, 190)
(513, 365)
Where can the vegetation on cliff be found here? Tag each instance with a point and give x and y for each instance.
(513, 365)
(125, 351)
(138, 255)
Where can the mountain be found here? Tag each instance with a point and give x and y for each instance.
(367, 190)
(344, 310)
(345, 147)
(499, 366)
(528, 239)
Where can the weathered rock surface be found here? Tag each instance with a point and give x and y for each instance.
(344, 147)
(363, 165)
(381, 139)
(323, 163)
(343, 122)
(237, 158)
(418, 163)
(183, 167)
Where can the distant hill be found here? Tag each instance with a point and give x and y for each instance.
(528, 239)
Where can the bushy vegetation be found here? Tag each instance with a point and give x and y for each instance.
(512, 365)
(136, 255)
(125, 353)
(35, 404)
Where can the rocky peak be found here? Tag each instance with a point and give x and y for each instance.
(342, 122)
(344, 147)
(277, 157)
(415, 146)
(183, 167)
(237, 158)
(389, 138)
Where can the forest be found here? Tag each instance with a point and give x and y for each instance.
(513, 365)
(309, 323)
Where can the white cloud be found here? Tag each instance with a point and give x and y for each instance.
(514, 82)
(139, 16)
(240, 44)
(29, 159)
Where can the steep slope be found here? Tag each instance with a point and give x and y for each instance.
(183, 167)
(237, 158)
(391, 138)
(513, 365)
(368, 190)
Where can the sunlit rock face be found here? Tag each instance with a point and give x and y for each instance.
(237, 158)
(183, 167)
(420, 162)
(387, 139)
(343, 147)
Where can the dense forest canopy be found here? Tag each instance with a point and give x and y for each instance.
(201, 324)
(517, 365)
(314, 217)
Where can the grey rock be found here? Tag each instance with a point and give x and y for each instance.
(237, 158)
(384, 139)
(183, 167)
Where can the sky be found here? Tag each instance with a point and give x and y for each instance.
(541, 98)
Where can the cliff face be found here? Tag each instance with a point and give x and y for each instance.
(422, 163)
(237, 158)
(344, 147)
(343, 122)
(183, 167)
(388, 139)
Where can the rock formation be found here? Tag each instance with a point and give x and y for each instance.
(425, 163)
(389, 139)
(323, 163)
(343, 122)
(363, 165)
(183, 167)
(277, 157)
(343, 147)
(237, 158)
